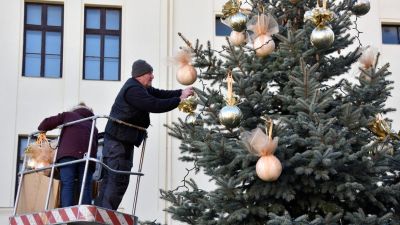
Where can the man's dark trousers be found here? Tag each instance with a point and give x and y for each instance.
(118, 156)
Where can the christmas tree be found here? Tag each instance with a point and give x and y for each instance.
(283, 71)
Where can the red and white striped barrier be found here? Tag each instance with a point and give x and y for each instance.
(80, 213)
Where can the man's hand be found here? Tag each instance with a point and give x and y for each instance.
(186, 92)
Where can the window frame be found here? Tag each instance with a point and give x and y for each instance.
(102, 31)
(397, 26)
(43, 28)
(20, 158)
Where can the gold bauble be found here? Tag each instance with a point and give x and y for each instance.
(264, 45)
(238, 21)
(188, 105)
(237, 38)
(268, 168)
(186, 74)
(322, 37)
(193, 119)
(361, 7)
(230, 116)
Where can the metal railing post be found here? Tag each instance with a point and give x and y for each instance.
(138, 178)
(83, 183)
(21, 180)
(49, 188)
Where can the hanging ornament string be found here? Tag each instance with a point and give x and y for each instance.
(229, 80)
(269, 121)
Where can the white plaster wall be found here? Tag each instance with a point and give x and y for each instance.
(9, 68)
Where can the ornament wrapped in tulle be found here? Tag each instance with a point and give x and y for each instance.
(367, 61)
(268, 167)
(186, 73)
(263, 27)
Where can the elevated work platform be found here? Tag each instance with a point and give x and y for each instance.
(75, 215)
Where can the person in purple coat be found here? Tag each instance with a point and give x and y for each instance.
(73, 144)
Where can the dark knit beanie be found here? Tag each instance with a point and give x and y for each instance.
(140, 67)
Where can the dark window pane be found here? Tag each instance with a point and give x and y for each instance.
(102, 44)
(112, 19)
(111, 46)
(92, 45)
(54, 15)
(32, 65)
(22, 144)
(33, 14)
(92, 68)
(111, 69)
(53, 43)
(398, 34)
(93, 18)
(220, 28)
(39, 60)
(33, 41)
(390, 35)
(52, 66)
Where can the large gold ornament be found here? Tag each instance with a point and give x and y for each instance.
(230, 115)
(361, 7)
(238, 21)
(322, 37)
(193, 119)
(233, 17)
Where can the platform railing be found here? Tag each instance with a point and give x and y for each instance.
(85, 159)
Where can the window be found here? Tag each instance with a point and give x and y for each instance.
(221, 29)
(22, 144)
(102, 41)
(391, 34)
(43, 29)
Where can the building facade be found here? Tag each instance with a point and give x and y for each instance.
(92, 44)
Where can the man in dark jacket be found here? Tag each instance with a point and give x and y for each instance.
(133, 104)
(73, 144)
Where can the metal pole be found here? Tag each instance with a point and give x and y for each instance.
(20, 180)
(87, 161)
(138, 178)
(46, 207)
